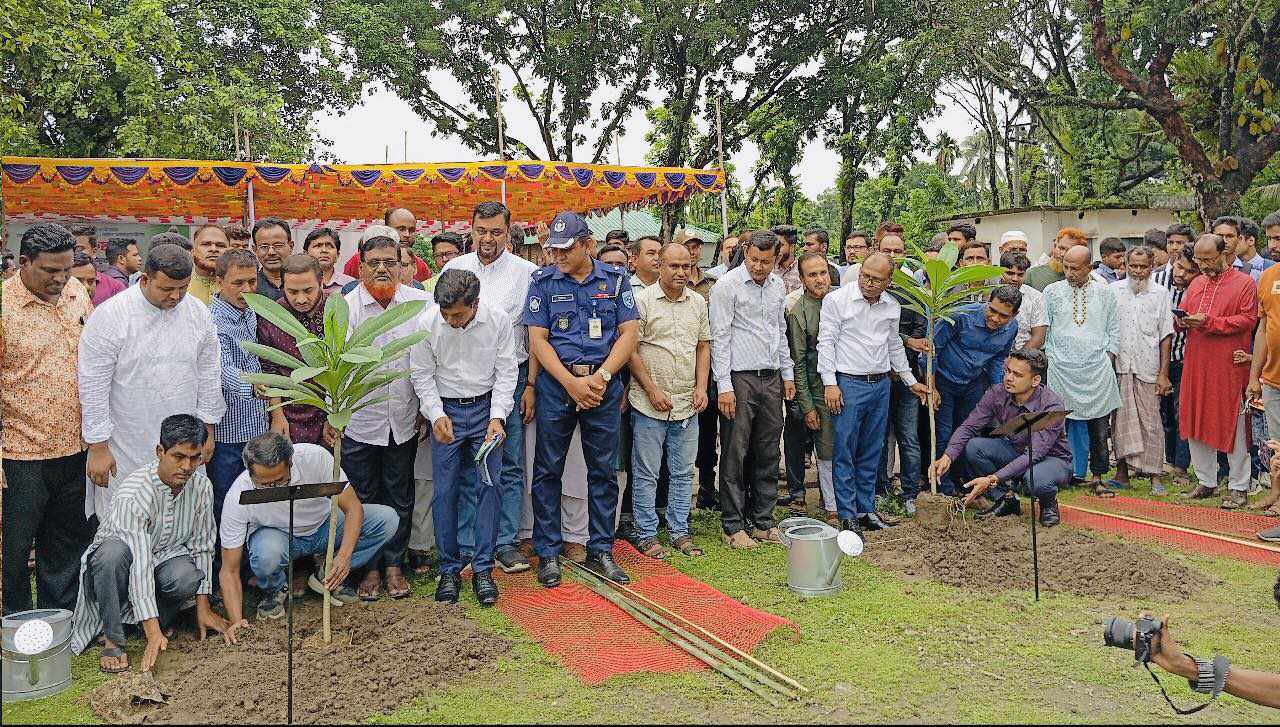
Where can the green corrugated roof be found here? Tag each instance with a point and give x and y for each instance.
(639, 223)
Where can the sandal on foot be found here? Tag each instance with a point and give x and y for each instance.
(370, 586)
(1101, 490)
(685, 545)
(652, 548)
(397, 585)
(113, 652)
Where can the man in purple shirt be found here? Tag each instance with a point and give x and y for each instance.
(992, 464)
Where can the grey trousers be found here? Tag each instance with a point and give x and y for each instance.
(107, 584)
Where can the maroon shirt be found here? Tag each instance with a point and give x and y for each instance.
(306, 423)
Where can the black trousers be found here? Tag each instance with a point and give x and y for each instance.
(1099, 452)
(748, 495)
(44, 505)
(708, 427)
(797, 443)
(383, 475)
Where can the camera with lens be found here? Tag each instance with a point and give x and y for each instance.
(1125, 634)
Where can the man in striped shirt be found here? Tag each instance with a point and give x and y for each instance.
(153, 551)
(1176, 278)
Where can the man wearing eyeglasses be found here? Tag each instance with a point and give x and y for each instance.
(272, 243)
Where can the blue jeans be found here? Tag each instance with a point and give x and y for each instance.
(557, 415)
(984, 456)
(223, 470)
(448, 461)
(510, 486)
(269, 547)
(956, 403)
(680, 442)
(859, 440)
(904, 410)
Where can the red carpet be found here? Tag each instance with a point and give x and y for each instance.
(597, 640)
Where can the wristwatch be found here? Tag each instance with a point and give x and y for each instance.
(604, 374)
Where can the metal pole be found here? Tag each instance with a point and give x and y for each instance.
(289, 606)
(406, 145)
(1031, 490)
(724, 190)
(617, 159)
(497, 115)
(249, 156)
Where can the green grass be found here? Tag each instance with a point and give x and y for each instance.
(885, 649)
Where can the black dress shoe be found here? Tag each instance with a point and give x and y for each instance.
(486, 590)
(448, 587)
(549, 571)
(851, 524)
(1049, 515)
(872, 522)
(1003, 507)
(602, 564)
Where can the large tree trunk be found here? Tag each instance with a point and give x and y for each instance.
(1214, 201)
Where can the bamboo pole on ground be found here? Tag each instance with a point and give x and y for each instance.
(1178, 528)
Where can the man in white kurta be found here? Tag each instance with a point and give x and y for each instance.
(1142, 369)
(1084, 335)
(145, 354)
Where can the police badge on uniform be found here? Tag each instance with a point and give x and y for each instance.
(563, 323)
(535, 305)
(629, 299)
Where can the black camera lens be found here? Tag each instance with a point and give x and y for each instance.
(1118, 633)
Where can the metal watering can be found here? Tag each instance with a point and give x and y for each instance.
(814, 553)
(36, 653)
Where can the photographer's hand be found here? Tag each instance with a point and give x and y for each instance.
(1167, 655)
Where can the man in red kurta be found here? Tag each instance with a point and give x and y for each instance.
(1222, 311)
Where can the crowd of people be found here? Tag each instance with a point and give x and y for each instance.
(572, 391)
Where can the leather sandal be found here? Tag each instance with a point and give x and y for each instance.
(685, 545)
(397, 585)
(369, 588)
(113, 652)
(652, 548)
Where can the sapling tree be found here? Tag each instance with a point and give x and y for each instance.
(339, 373)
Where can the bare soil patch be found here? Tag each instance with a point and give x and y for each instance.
(995, 555)
(382, 655)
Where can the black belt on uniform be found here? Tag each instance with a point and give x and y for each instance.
(584, 369)
(871, 378)
(761, 373)
(466, 401)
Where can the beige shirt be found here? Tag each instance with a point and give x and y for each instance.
(669, 334)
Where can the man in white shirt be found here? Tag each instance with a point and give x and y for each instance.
(1013, 241)
(858, 345)
(379, 444)
(145, 354)
(504, 286)
(464, 373)
(644, 261)
(751, 361)
(271, 460)
(1033, 320)
(1142, 369)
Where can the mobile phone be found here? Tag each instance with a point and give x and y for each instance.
(1179, 313)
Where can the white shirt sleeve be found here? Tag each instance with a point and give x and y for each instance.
(898, 360)
(234, 528)
(422, 374)
(721, 315)
(505, 370)
(785, 364)
(95, 369)
(829, 324)
(210, 406)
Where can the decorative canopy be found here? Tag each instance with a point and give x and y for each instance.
(447, 191)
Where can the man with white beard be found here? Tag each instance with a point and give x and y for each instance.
(1142, 369)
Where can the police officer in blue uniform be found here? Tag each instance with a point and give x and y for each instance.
(582, 324)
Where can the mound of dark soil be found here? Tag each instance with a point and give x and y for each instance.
(382, 655)
(995, 555)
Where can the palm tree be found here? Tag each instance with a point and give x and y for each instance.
(946, 152)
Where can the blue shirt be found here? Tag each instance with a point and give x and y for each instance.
(1254, 268)
(246, 416)
(565, 308)
(968, 351)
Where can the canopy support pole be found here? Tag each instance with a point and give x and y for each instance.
(497, 114)
(724, 190)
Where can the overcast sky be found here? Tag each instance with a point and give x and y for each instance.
(364, 134)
